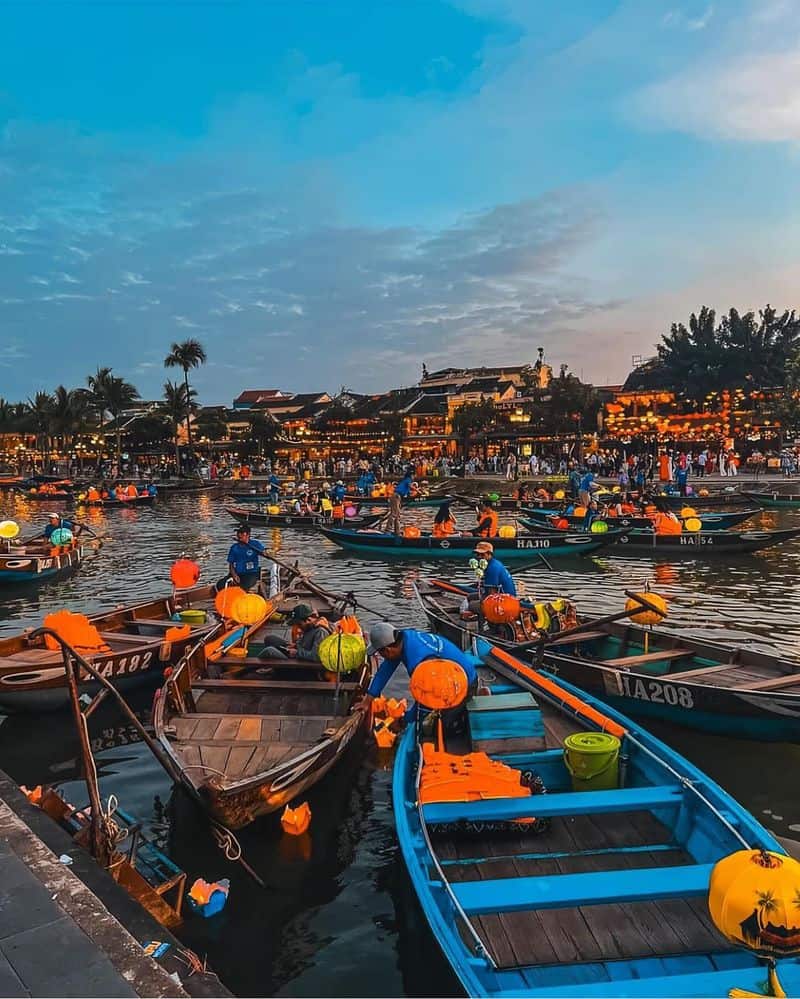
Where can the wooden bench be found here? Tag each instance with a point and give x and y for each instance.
(648, 657)
(299, 686)
(787, 680)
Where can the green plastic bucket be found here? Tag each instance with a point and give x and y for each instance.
(592, 759)
(193, 616)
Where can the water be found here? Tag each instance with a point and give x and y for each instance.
(338, 916)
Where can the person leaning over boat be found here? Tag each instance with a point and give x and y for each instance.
(411, 647)
(243, 556)
(311, 630)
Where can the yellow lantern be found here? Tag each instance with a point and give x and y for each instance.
(9, 529)
(439, 684)
(693, 524)
(558, 494)
(250, 609)
(643, 615)
(273, 510)
(342, 653)
(507, 531)
(752, 900)
(688, 511)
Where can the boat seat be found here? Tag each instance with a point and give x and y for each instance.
(125, 638)
(567, 803)
(565, 891)
(155, 623)
(649, 657)
(582, 636)
(786, 680)
(505, 723)
(300, 686)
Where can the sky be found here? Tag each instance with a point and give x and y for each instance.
(329, 193)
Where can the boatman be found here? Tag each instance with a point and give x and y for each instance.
(54, 521)
(404, 488)
(496, 577)
(243, 567)
(411, 647)
(309, 629)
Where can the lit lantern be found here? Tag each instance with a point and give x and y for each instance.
(692, 524)
(500, 608)
(9, 529)
(225, 599)
(295, 821)
(250, 609)
(507, 531)
(643, 615)
(599, 527)
(184, 573)
(342, 653)
(688, 511)
(61, 536)
(411, 531)
(439, 684)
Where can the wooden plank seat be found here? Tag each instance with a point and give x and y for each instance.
(123, 638)
(786, 680)
(571, 890)
(313, 686)
(255, 662)
(161, 623)
(226, 730)
(564, 804)
(649, 657)
(583, 636)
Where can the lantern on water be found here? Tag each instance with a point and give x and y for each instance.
(295, 821)
(643, 615)
(184, 573)
(9, 529)
(411, 531)
(61, 536)
(692, 524)
(500, 608)
(599, 527)
(342, 653)
(225, 599)
(507, 531)
(752, 900)
(688, 511)
(439, 684)
(250, 609)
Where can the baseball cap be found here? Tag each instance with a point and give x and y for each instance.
(484, 548)
(243, 529)
(302, 612)
(380, 635)
(53, 516)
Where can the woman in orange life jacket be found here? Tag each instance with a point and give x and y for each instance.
(487, 521)
(444, 523)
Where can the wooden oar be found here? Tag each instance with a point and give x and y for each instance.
(321, 591)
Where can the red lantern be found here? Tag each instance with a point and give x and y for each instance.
(562, 523)
(184, 573)
(500, 608)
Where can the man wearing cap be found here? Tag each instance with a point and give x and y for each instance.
(496, 578)
(54, 521)
(243, 556)
(313, 629)
(411, 647)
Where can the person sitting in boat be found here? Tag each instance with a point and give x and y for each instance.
(243, 556)
(365, 484)
(411, 647)
(152, 489)
(444, 523)
(131, 492)
(55, 520)
(496, 577)
(338, 493)
(542, 494)
(665, 522)
(521, 493)
(309, 629)
(93, 494)
(487, 521)
(592, 513)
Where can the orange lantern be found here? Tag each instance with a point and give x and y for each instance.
(411, 531)
(384, 736)
(500, 608)
(439, 684)
(562, 524)
(348, 625)
(295, 821)
(226, 598)
(184, 573)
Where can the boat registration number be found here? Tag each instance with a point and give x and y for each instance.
(688, 539)
(534, 543)
(656, 692)
(127, 664)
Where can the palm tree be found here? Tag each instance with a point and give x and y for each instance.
(98, 386)
(186, 355)
(40, 408)
(176, 408)
(118, 396)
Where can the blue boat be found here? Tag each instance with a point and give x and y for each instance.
(36, 562)
(523, 546)
(600, 892)
(711, 521)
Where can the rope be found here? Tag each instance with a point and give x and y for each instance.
(227, 842)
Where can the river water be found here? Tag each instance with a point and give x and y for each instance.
(337, 916)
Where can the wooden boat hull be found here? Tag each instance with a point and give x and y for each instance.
(427, 547)
(118, 504)
(711, 521)
(23, 568)
(262, 519)
(744, 712)
(37, 497)
(383, 501)
(706, 502)
(501, 903)
(774, 499)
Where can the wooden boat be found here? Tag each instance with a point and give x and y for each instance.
(118, 504)
(600, 892)
(504, 503)
(247, 744)
(549, 543)
(56, 496)
(263, 519)
(711, 521)
(383, 501)
(34, 562)
(774, 499)
(32, 676)
(727, 690)
(710, 502)
(687, 544)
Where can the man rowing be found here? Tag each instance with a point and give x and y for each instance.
(243, 565)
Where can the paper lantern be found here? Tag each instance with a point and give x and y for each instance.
(562, 523)
(692, 524)
(250, 609)
(500, 608)
(558, 494)
(507, 531)
(184, 573)
(9, 529)
(411, 531)
(688, 511)
(703, 492)
(273, 510)
(439, 684)
(295, 821)
(350, 511)
(225, 599)
(342, 653)
(643, 615)
(579, 511)
(599, 527)
(61, 536)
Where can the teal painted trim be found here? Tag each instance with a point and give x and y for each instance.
(551, 855)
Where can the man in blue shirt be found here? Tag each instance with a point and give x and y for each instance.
(410, 648)
(274, 489)
(496, 577)
(403, 487)
(338, 493)
(55, 521)
(243, 567)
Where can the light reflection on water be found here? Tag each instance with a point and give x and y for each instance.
(338, 919)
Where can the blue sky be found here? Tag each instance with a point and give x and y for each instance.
(330, 193)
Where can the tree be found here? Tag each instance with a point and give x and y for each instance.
(118, 396)
(472, 418)
(186, 355)
(176, 407)
(264, 431)
(210, 424)
(98, 388)
(40, 408)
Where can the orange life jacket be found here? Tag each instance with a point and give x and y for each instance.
(490, 529)
(443, 530)
(666, 524)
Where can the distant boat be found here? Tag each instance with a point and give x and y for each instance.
(774, 499)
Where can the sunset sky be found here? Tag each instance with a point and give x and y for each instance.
(330, 193)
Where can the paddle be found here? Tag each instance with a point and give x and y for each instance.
(327, 594)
